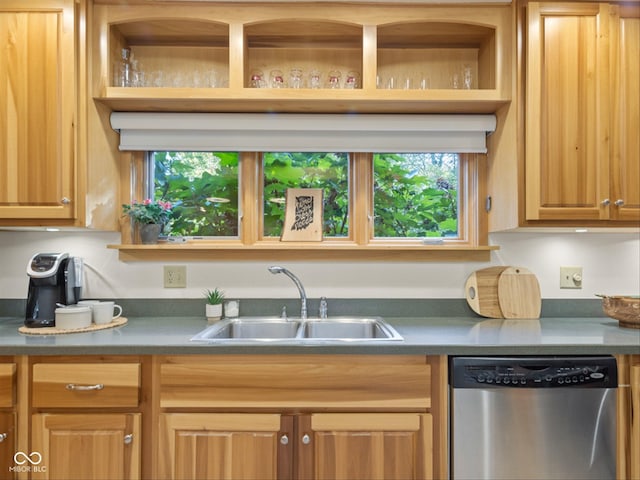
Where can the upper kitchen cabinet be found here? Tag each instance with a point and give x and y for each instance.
(582, 148)
(37, 111)
(341, 57)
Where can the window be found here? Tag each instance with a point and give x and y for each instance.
(203, 189)
(384, 197)
(328, 171)
(415, 195)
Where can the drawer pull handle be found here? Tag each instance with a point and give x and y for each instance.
(284, 440)
(306, 439)
(128, 439)
(3, 437)
(84, 388)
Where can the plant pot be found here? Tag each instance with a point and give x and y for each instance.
(149, 233)
(213, 312)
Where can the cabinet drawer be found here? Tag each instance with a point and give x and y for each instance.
(86, 385)
(7, 382)
(336, 382)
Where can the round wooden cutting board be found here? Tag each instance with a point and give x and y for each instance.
(481, 291)
(519, 293)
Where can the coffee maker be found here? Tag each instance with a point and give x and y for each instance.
(54, 278)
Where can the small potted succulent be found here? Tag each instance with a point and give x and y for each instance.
(213, 307)
(150, 216)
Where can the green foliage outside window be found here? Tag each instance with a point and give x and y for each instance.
(415, 195)
(329, 171)
(202, 187)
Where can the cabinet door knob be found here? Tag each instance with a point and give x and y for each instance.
(128, 439)
(3, 437)
(84, 388)
(284, 440)
(619, 202)
(306, 439)
(605, 202)
(65, 201)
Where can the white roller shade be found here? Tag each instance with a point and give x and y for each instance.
(276, 132)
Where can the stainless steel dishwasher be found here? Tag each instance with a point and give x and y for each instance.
(538, 418)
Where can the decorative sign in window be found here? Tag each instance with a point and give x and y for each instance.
(303, 215)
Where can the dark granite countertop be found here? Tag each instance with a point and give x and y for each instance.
(438, 335)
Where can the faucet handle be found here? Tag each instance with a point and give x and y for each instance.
(323, 308)
(283, 314)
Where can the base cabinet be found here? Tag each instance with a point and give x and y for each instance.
(7, 445)
(219, 445)
(87, 446)
(331, 446)
(362, 446)
(302, 417)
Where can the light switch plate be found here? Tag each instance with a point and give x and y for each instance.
(571, 277)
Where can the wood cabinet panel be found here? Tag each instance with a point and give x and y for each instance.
(8, 444)
(625, 141)
(37, 98)
(340, 381)
(366, 446)
(567, 111)
(219, 446)
(88, 446)
(7, 384)
(86, 385)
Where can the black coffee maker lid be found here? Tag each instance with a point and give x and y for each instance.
(45, 264)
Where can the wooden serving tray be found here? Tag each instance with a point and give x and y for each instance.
(60, 331)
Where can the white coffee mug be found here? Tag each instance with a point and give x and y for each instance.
(103, 312)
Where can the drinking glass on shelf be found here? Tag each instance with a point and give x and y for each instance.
(295, 78)
(392, 83)
(277, 80)
(467, 77)
(315, 79)
(333, 79)
(407, 84)
(425, 83)
(455, 80)
(257, 79)
(353, 80)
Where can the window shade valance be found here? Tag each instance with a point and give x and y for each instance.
(275, 132)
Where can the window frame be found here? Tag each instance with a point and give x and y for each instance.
(360, 244)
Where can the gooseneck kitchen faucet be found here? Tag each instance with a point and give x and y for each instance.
(303, 296)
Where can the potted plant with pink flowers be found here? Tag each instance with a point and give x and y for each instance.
(150, 216)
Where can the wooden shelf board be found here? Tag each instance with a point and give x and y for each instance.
(302, 251)
(302, 100)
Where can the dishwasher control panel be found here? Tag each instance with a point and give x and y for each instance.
(540, 372)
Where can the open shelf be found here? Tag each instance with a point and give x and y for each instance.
(203, 59)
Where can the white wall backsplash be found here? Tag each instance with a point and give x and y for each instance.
(610, 261)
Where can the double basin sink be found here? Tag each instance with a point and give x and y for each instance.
(296, 330)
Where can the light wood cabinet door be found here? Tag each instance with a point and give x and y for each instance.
(625, 99)
(87, 446)
(567, 111)
(355, 446)
(37, 98)
(222, 446)
(7, 444)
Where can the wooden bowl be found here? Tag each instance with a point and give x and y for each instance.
(625, 309)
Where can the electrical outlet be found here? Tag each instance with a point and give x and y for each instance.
(570, 277)
(175, 276)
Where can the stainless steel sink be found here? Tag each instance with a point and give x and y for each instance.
(295, 330)
(258, 328)
(349, 329)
